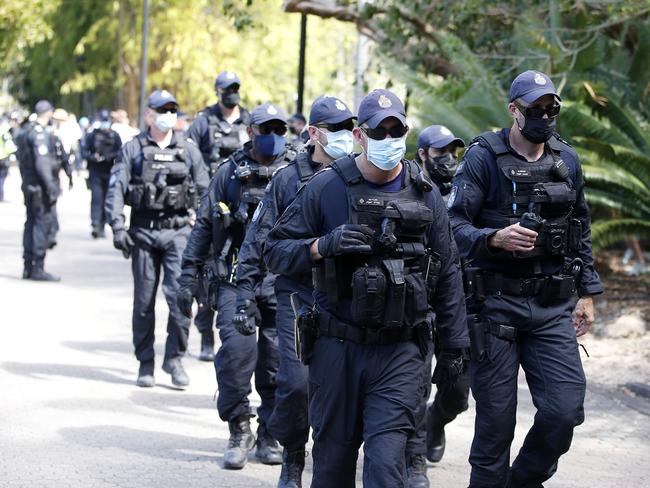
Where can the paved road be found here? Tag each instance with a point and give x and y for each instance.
(70, 415)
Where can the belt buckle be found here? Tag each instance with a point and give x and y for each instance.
(527, 287)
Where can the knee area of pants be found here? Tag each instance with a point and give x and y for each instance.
(565, 419)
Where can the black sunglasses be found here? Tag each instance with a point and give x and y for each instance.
(265, 130)
(345, 125)
(231, 89)
(380, 133)
(551, 111)
(165, 109)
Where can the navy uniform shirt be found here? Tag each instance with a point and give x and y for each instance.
(129, 162)
(479, 183)
(224, 187)
(279, 194)
(322, 205)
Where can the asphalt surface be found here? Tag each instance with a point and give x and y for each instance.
(71, 415)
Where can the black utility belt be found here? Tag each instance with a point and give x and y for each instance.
(330, 326)
(554, 287)
(177, 222)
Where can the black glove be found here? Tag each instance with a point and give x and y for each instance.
(122, 241)
(247, 317)
(346, 239)
(186, 292)
(450, 364)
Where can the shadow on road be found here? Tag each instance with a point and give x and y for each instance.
(96, 347)
(42, 371)
(172, 403)
(149, 443)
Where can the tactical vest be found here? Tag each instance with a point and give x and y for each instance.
(392, 286)
(235, 215)
(225, 139)
(304, 168)
(162, 181)
(104, 143)
(543, 188)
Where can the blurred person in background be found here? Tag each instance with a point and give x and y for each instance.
(101, 148)
(122, 126)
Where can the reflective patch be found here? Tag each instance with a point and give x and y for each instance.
(452, 196)
(42, 150)
(112, 179)
(257, 211)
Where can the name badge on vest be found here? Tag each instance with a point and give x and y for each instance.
(167, 158)
(371, 202)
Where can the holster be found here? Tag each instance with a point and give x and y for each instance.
(305, 329)
(477, 333)
(34, 195)
(474, 283)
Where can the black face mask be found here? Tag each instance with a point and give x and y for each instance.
(538, 131)
(441, 168)
(230, 100)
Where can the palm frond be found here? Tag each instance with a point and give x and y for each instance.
(607, 232)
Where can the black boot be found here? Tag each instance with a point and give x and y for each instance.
(416, 469)
(175, 368)
(145, 375)
(39, 274)
(27, 270)
(207, 346)
(293, 463)
(435, 439)
(268, 450)
(241, 442)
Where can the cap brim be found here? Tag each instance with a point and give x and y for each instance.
(264, 121)
(333, 120)
(444, 142)
(227, 84)
(167, 102)
(376, 119)
(538, 93)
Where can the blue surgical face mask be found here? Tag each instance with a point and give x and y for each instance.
(339, 143)
(105, 125)
(268, 145)
(166, 121)
(386, 153)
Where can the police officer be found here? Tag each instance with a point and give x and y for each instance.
(100, 150)
(330, 137)
(36, 155)
(519, 214)
(375, 232)
(160, 176)
(219, 130)
(225, 211)
(436, 152)
(61, 161)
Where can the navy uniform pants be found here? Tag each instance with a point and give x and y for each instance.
(36, 232)
(155, 250)
(547, 350)
(98, 181)
(240, 356)
(362, 393)
(289, 422)
(450, 400)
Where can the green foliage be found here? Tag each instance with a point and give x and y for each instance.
(92, 57)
